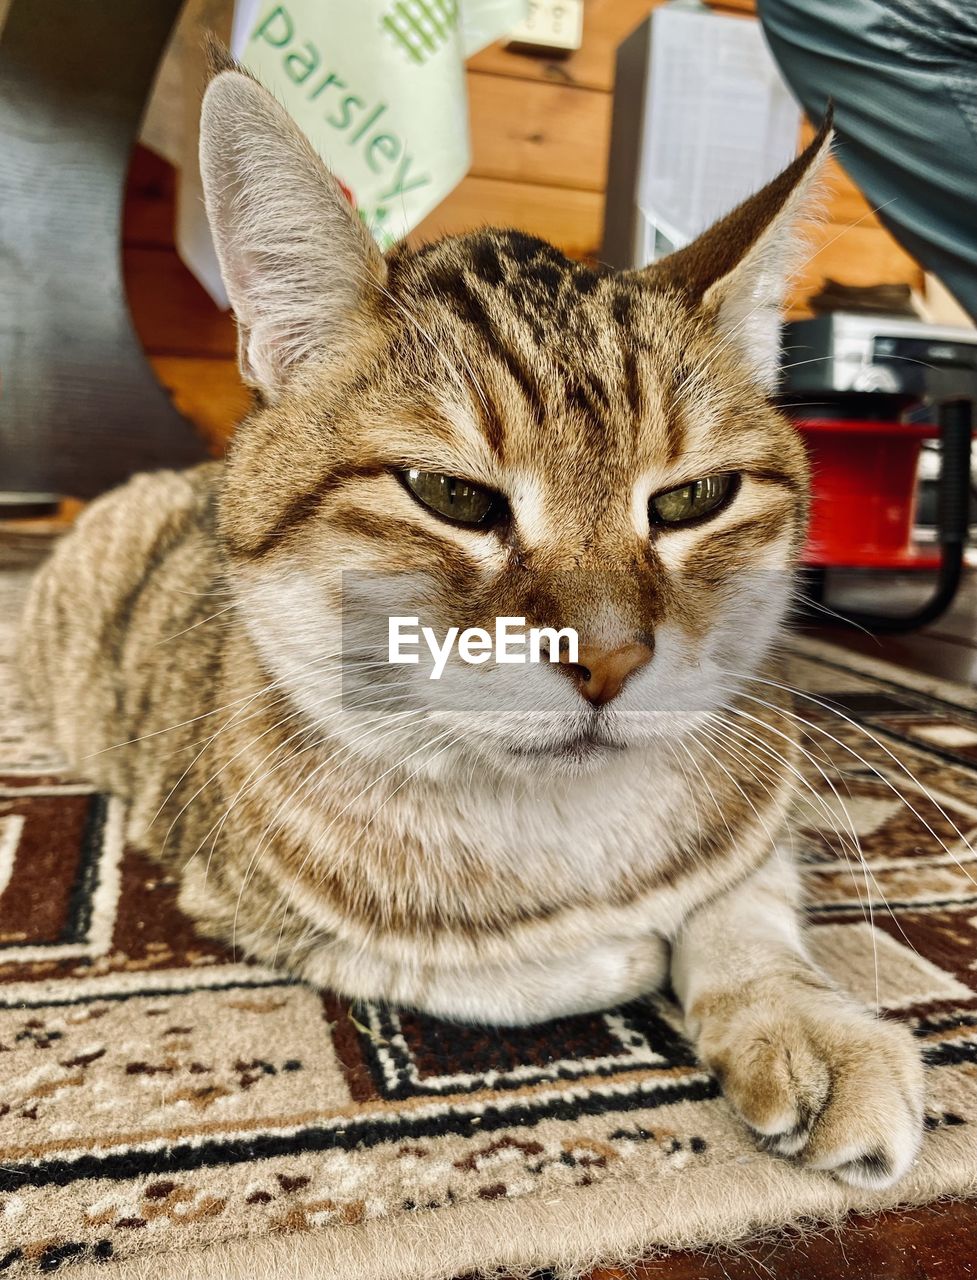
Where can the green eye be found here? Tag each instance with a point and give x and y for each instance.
(455, 499)
(692, 501)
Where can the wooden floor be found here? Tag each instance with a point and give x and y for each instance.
(932, 1243)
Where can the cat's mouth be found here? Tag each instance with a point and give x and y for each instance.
(585, 745)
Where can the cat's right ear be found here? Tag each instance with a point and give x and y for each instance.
(297, 262)
(737, 272)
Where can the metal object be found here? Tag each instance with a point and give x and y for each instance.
(844, 353)
(880, 368)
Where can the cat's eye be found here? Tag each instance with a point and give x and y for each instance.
(692, 501)
(454, 499)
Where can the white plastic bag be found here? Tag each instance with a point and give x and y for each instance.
(379, 88)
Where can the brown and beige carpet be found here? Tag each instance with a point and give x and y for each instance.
(166, 1111)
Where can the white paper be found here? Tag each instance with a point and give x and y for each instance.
(719, 123)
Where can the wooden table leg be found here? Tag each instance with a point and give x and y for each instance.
(80, 408)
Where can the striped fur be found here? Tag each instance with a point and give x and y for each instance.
(489, 847)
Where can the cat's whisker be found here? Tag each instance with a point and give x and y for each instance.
(274, 727)
(820, 607)
(715, 729)
(825, 706)
(867, 871)
(232, 723)
(235, 723)
(250, 784)
(202, 623)
(180, 724)
(856, 843)
(690, 790)
(260, 776)
(718, 734)
(220, 586)
(719, 731)
(758, 744)
(384, 717)
(318, 741)
(771, 837)
(291, 798)
(705, 782)
(317, 843)
(245, 697)
(861, 862)
(796, 364)
(873, 889)
(420, 768)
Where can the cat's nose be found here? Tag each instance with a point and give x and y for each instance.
(599, 674)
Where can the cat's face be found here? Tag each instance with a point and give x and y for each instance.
(484, 429)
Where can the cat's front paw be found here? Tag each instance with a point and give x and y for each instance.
(821, 1080)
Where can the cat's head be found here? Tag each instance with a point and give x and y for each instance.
(482, 428)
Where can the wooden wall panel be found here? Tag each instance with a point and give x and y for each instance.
(550, 134)
(572, 219)
(857, 255)
(172, 312)
(606, 24)
(209, 391)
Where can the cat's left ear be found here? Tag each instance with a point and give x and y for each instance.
(298, 264)
(738, 270)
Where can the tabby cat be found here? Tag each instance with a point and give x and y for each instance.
(501, 432)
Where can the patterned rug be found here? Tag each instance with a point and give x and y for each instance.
(165, 1111)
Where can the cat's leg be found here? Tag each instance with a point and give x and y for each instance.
(812, 1073)
(231, 907)
(514, 993)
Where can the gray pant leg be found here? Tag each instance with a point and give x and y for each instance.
(903, 77)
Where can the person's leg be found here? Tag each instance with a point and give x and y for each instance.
(903, 78)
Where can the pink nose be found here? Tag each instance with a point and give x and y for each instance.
(599, 674)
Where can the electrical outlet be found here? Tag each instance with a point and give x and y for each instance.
(553, 27)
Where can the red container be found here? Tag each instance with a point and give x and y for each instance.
(864, 493)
